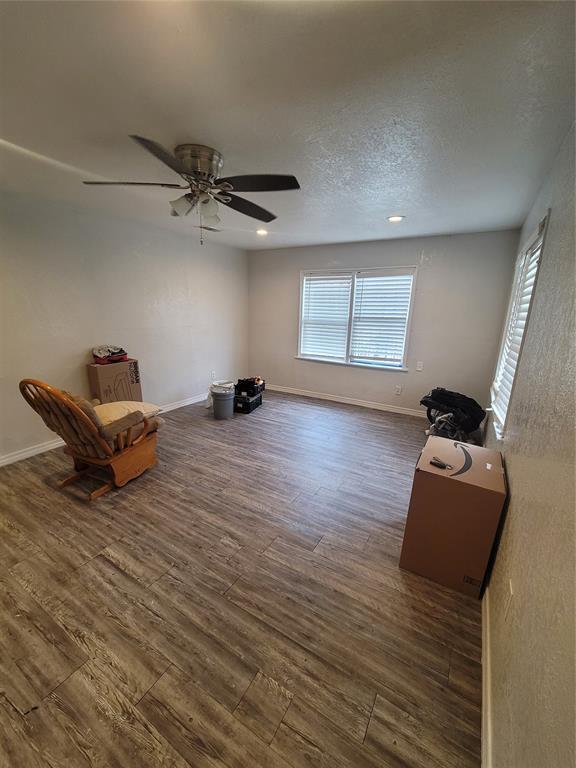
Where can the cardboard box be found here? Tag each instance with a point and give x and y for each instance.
(454, 514)
(116, 381)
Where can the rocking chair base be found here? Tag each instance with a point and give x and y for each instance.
(123, 466)
(104, 488)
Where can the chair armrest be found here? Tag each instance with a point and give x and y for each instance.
(150, 425)
(112, 430)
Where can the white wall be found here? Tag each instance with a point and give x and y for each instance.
(71, 279)
(462, 289)
(531, 646)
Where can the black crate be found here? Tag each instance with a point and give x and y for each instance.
(249, 388)
(247, 404)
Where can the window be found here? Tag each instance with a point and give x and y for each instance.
(359, 318)
(325, 316)
(517, 319)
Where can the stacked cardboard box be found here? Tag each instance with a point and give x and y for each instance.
(116, 381)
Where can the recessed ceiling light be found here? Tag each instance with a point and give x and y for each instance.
(395, 219)
(262, 232)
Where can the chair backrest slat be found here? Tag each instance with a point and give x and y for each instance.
(62, 415)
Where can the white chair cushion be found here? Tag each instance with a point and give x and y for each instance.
(109, 412)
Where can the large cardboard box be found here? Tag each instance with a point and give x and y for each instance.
(454, 514)
(115, 381)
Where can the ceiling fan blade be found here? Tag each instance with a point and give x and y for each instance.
(264, 182)
(159, 152)
(134, 184)
(246, 207)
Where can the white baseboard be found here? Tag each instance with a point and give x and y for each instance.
(182, 403)
(49, 445)
(486, 684)
(25, 453)
(347, 400)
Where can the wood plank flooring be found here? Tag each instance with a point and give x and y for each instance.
(239, 606)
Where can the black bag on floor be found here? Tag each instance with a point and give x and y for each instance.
(466, 412)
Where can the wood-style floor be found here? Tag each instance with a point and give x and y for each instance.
(240, 605)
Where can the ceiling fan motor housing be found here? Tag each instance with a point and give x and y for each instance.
(203, 163)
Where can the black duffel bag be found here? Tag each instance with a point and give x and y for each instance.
(465, 410)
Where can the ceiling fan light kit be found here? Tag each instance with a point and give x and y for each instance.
(181, 207)
(199, 166)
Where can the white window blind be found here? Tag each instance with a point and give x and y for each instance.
(357, 317)
(325, 316)
(517, 319)
(380, 318)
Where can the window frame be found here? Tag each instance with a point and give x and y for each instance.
(536, 240)
(408, 269)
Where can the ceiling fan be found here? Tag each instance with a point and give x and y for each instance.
(199, 167)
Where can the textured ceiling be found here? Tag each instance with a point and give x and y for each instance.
(449, 113)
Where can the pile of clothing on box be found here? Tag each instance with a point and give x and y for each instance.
(108, 353)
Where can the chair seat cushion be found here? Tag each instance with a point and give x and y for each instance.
(109, 412)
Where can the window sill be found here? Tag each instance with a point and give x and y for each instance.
(367, 366)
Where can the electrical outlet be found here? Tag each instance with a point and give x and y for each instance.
(419, 365)
(212, 375)
(509, 599)
(398, 389)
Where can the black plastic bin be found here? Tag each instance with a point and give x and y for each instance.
(247, 404)
(249, 388)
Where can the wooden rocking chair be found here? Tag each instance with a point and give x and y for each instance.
(125, 448)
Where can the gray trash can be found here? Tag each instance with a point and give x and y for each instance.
(223, 403)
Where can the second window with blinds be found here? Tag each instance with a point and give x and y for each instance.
(525, 276)
(356, 317)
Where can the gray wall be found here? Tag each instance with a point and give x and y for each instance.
(462, 289)
(72, 279)
(531, 647)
